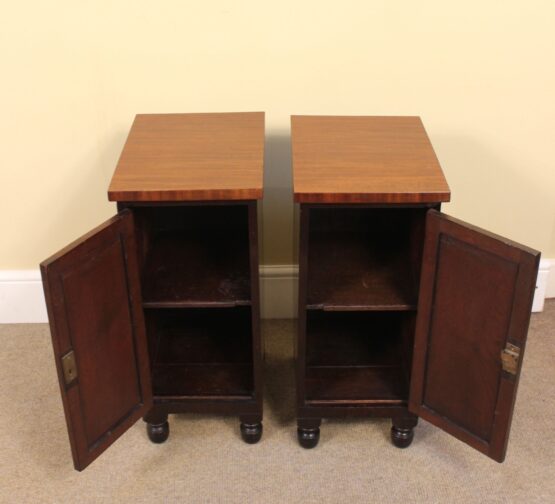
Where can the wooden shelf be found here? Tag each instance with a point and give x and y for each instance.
(353, 271)
(355, 358)
(202, 353)
(231, 381)
(356, 386)
(197, 269)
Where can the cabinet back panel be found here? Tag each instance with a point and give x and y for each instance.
(201, 352)
(201, 335)
(354, 338)
(364, 258)
(189, 217)
(356, 357)
(195, 255)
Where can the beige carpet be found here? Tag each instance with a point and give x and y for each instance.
(204, 459)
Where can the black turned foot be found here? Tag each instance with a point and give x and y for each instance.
(402, 432)
(251, 432)
(308, 438)
(401, 437)
(158, 433)
(308, 431)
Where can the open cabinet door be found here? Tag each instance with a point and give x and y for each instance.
(474, 307)
(98, 334)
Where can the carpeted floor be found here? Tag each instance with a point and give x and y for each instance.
(205, 460)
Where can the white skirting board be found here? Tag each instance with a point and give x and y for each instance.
(278, 291)
(545, 284)
(22, 298)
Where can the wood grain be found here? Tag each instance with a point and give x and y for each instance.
(93, 298)
(207, 360)
(457, 380)
(185, 157)
(364, 160)
(183, 271)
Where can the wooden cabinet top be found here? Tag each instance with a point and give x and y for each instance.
(364, 160)
(183, 157)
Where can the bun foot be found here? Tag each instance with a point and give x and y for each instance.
(401, 437)
(158, 433)
(251, 432)
(308, 438)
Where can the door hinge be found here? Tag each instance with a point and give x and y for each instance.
(69, 367)
(509, 358)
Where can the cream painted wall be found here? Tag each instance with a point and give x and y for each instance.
(73, 74)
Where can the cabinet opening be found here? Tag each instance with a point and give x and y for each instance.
(201, 352)
(364, 258)
(194, 255)
(358, 357)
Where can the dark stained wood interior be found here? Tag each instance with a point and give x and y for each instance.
(223, 382)
(195, 255)
(353, 386)
(199, 265)
(202, 352)
(197, 297)
(202, 336)
(188, 270)
(364, 258)
(359, 268)
(356, 357)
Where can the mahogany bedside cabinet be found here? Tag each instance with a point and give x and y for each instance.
(156, 311)
(404, 312)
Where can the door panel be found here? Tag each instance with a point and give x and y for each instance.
(475, 298)
(94, 306)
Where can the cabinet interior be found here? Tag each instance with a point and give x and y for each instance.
(362, 288)
(359, 357)
(364, 258)
(194, 255)
(197, 300)
(198, 352)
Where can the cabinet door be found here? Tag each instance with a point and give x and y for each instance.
(98, 334)
(474, 308)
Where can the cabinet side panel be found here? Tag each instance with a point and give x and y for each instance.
(257, 347)
(300, 347)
